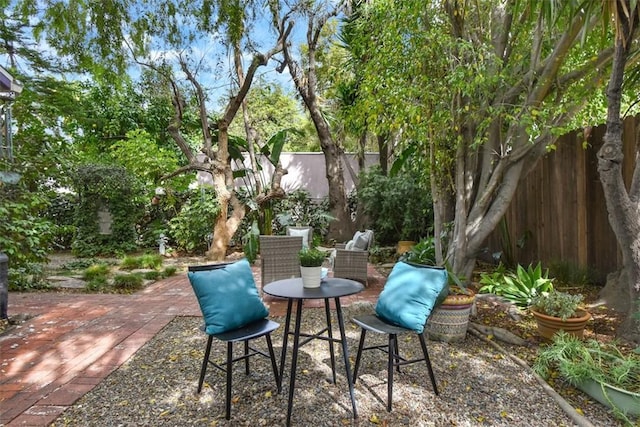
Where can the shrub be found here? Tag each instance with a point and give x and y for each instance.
(97, 284)
(99, 187)
(127, 282)
(151, 261)
(192, 226)
(169, 271)
(519, 287)
(130, 263)
(399, 207)
(96, 271)
(153, 275)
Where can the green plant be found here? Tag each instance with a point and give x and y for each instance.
(97, 284)
(96, 271)
(577, 361)
(192, 227)
(112, 192)
(151, 261)
(299, 208)
(153, 275)
(311, 257)
(130, 263)
(399, 206)
(557, 304)
(520, 287)
(424, 252)
(127, 282)
(169, 271)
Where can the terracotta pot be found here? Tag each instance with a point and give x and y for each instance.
(404, 246)
(549, 325)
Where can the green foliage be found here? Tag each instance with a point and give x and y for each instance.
(153, 261)
(399, 207)
(521, 287)
(96, 271)
(25, 238)
(557, 304)
(577, 360)
(250, 242)
(97, 284)
(84, 263)
(101, 187)
(169, 271)
(61, 212)
(127, 282)
(192, 226)
(568, 272)
(146, 159)
(153, 275)
(311, 257)
(423, 252)
(299, 208)
(130, 263)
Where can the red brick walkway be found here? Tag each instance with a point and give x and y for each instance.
(75, 340)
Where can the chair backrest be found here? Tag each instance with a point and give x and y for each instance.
(279, 257)
(410, 293)
(305, 231)
(227, 295)
(362, 240)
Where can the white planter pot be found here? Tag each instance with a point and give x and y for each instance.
(612, 397)
(311, 276)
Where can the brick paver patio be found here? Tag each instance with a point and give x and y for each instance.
(75, 340)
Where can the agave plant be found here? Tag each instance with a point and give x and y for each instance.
(519, 287)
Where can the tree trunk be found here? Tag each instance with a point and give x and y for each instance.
(305, 80)
(622, 291)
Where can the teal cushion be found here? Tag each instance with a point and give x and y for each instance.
(228, 297)
(409, 295)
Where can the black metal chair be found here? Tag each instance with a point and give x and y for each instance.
(245, 332)
(406, 284)
(395, 360)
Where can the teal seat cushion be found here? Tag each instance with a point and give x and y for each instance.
(410, 294)
(228, 297)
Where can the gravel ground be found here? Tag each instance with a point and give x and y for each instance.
(478, 384)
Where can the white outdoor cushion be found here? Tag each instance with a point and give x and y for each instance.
(302, 233)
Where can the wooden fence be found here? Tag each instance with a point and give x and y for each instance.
(559, 211)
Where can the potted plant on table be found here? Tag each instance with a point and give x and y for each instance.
(311, 260)
(601, 370)
(450, 317)
(558, 310)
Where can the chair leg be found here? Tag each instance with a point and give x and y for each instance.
(274, 365)
(246, 357)
(229, 369)
(396, 353)
(428, 361)
(363, 332)
(392, 358)
(205, 362)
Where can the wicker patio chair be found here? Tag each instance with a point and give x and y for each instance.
(352, 263)
(279, 257)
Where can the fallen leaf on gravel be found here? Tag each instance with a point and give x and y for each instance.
(374, 419)
(267, 394)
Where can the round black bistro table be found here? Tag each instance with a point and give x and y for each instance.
(292, 290)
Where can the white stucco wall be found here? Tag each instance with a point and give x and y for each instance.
(305, 171)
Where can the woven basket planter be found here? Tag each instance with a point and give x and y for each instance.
(448, 322)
